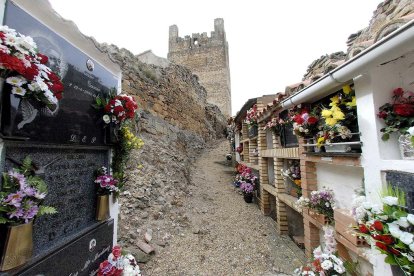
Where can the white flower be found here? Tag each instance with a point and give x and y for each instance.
(410, 218)
(367, 205)
(411, 131)
(376, 209)
(406, 238)
(317, 252)
(106, 119)
(339, 268)
(394, 230)
(390, 200)
(402, 221)
(326, 265)
(16, 81)
(19, 91)
(412, 247)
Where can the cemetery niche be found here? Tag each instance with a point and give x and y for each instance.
(66, 144)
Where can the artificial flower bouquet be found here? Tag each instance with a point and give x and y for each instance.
(324, 261)
(22, 195)
(239, 149)
(398, 116)
(246, 187)
(275, 124)
(251, 117)
(305, 122)
(106, 183)
(292, 173)
(118, 108)
(321, 201)
(25, 69)
(340, 120)
(119, 263)
(389, 228)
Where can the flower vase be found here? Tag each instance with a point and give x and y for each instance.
(102, 207)
(112, 134)
(337, 148)
(248, 197)
(406, 147)
(17, 245)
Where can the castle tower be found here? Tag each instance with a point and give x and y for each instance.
(208, 58)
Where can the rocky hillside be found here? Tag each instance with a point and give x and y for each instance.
(175, 123)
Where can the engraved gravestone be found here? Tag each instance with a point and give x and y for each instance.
(66, 147)
(74, 121)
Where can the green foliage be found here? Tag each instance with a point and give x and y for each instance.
(46, 210)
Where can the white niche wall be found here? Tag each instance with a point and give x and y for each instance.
(343, 180)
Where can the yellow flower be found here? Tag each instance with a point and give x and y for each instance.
(352, 103)
(298, 182)
(326, 113)
(331, 121)
(337, 114)
(140, 166)
(321, 141)
(334, 101)
(347, 89)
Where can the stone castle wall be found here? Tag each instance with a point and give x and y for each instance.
(208, 58)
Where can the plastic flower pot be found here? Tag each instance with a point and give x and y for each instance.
(102, 207)
(248, 197)
(17, 245)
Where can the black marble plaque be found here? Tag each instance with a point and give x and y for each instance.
(80, 257)
(75, 121)
(70, 180)
(405, 182)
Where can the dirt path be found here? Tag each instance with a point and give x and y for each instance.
(225, 235)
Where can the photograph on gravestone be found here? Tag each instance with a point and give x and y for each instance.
(74, 121)
(405, 182)
(69, 175)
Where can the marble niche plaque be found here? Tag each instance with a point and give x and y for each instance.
(69, 176)
(405, 182)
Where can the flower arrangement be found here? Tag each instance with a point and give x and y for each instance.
(275, 124)
(321, 201)
(127, 143)
(245, 175)
(119, 264)
(324, 262)
(339, 119)
(106, 183)
(305, 122)
(22, 195)
(251, 117)
(246, 187)
(239, 149)
(25, 69)
(398, 116)
(293, 174)
(117, 108)
(389, 229)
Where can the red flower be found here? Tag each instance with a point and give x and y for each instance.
(404, 110)
(12, 63)
(116, 250)
(378, 225)
(118, 109)
(381, 246)
(363, 228)
(394, 251)
(312, 120)
(398, 91)
(31, 72)
(387, 239)
(298, 119)
(377, 237)
(42, 58)
(382, 115)
(2, 35)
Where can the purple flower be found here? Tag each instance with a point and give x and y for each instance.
(19, 178)
(29, 191)
(246, 187)
(18, 213)
(14, 199)
(31, 210)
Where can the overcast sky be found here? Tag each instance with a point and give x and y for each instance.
(271, 43)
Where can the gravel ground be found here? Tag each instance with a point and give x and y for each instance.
(225, 235)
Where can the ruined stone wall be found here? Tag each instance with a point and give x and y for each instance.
(176, 122)
(208, 58)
